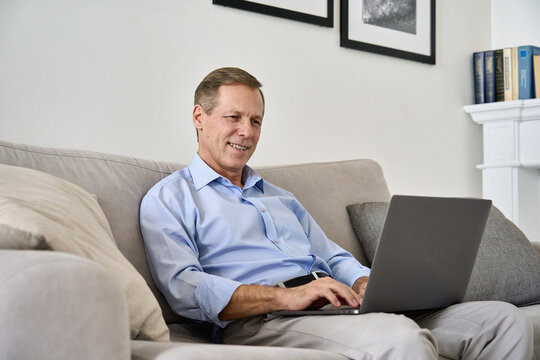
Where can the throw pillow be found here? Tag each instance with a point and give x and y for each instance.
(507, 267)
(70, 220)
(367, 220)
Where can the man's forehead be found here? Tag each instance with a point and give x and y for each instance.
(232, 106)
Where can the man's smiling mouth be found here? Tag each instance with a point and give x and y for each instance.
(238, 147)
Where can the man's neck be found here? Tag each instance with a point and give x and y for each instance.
(233, 176)
(236, 181)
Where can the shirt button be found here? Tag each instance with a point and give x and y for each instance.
(263, 209)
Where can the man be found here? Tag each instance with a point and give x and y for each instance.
(219, 239)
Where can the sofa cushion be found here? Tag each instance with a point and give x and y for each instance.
(188, 350)
(71, 220)
(507, 267)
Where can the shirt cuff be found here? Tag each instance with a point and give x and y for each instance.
(348, 275)
(213, 293)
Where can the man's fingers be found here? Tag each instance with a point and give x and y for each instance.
(334, 291)
(332, 298)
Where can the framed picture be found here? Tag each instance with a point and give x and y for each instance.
(319, 12)
(400, 28)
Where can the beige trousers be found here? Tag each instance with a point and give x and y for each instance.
(475, 330)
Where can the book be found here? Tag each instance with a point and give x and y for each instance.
(525, 69)
(498, 60)
(514, 71)
(536, 71)
(507, 66)
(489, 76)
(479, 77)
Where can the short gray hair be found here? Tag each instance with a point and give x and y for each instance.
(206, 93)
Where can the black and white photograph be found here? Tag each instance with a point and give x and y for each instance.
(399, 15)
(399, 28)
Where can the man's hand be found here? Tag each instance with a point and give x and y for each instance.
(319, 293)
(251, 300)
(360, 286)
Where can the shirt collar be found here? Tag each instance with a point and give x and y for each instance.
(203, 175)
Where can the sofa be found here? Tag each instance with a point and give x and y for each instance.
(72, 304)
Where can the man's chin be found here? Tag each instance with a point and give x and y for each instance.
(240, 160)
(239, 164)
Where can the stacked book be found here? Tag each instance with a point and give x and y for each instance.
(506, 74)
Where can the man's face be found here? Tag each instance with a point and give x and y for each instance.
(228, 135)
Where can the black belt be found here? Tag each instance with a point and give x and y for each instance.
(301, 280)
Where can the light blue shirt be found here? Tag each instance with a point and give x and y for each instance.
(204, 237)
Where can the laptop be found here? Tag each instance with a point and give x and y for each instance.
(424, 259)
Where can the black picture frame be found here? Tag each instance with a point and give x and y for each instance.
(286, 13)
(386, 41)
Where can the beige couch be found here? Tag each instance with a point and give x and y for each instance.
(57, 305)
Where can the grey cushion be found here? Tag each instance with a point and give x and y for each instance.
(367, 220)
(507, 267)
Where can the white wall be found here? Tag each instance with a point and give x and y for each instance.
(514, 23)
(118, 76)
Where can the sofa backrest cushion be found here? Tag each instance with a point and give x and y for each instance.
(120, 182)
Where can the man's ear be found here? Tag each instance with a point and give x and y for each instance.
(198, 115)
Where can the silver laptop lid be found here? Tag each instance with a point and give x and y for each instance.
(426, 253)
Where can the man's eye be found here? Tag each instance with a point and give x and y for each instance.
(256, 122)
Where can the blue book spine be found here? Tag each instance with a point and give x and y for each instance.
(489, 65)
(479, 78)
(525, 71)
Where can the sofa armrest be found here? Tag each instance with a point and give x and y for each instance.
(59, 306)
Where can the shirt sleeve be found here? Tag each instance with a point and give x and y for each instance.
(168, 226)
(345, 268)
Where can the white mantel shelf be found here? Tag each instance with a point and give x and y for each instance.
(511, 168)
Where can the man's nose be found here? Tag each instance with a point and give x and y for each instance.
(245, 129)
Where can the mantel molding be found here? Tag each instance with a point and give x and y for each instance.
(519, 110)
